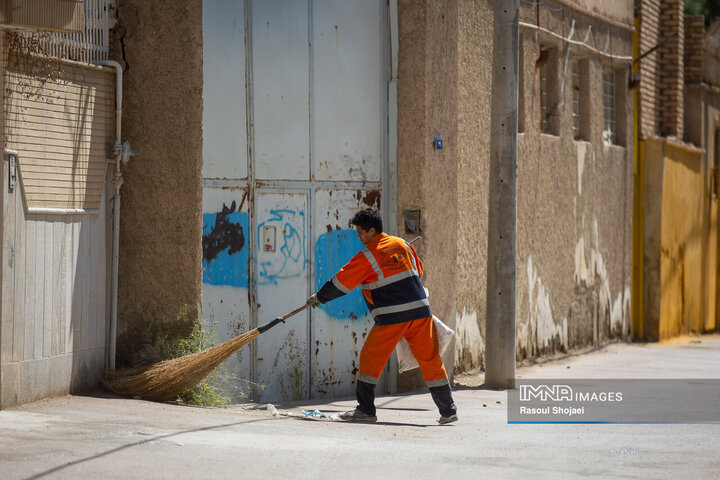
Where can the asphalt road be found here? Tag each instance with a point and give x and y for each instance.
(102, 437)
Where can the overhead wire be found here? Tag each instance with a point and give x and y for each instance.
(625, 58)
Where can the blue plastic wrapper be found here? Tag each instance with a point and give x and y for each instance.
(313, 414)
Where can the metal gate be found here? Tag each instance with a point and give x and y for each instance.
(295, 142)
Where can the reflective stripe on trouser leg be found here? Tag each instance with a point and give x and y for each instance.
(367, 379)
(380, 343)
(422, 339)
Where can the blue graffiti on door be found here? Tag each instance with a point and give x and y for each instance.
(333, 250)
(225, 254)
(286, 258)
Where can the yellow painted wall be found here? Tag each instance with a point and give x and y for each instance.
(712, 262)
(684, 229)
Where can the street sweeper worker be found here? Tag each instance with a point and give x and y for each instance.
(388, 272)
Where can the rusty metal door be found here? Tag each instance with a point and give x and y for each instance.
(226, 207)
(295, 143)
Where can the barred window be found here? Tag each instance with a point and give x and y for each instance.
(549, 90)
(608, 97)
(576, 92)
(544, 123)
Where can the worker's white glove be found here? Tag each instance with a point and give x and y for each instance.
(313, 301)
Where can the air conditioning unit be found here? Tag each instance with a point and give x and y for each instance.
(51, 15)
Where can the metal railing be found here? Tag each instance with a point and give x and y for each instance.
(88, 46)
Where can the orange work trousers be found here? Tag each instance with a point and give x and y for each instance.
(422, 338)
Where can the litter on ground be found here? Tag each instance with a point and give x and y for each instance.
(304, 414)
(318, 415)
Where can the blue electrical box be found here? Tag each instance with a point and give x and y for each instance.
(438, 142)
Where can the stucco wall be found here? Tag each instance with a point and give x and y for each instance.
(574, 205)
(474, 80)
(620, 11)
(427, 179)
(159, 44)
(574, 197)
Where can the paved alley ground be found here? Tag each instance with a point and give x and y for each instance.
(102, 437)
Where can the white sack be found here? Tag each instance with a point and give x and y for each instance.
(406, 360)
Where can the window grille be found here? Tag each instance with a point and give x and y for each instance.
(544, 123)
(91, 45)
(576, 92)
(609, 124)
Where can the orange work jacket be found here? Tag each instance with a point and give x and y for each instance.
(388, 271)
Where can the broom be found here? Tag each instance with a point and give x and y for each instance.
(168, 379)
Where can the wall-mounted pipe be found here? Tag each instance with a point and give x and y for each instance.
(117, 182)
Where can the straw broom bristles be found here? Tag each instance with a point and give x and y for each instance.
(168, 379)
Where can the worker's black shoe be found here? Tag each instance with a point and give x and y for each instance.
(450, 419)
(358, 416)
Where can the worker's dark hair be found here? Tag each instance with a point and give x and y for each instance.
(367, 219)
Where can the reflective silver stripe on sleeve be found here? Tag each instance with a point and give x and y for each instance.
(373, 263)
(400, 308)
(339, 285)
(438, 383)
(412, 257)
(368, 379)
(392, 279)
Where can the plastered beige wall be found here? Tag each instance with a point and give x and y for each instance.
(620, 11)
(574, 198)
(159, 44)
(574, 204)
(427, 179)
(474, 79)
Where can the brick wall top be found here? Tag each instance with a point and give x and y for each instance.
(694, 36)
(672, 67)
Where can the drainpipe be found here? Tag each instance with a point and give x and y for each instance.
(122, 153)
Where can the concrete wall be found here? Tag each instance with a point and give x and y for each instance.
(574, 198)
(159, 44)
